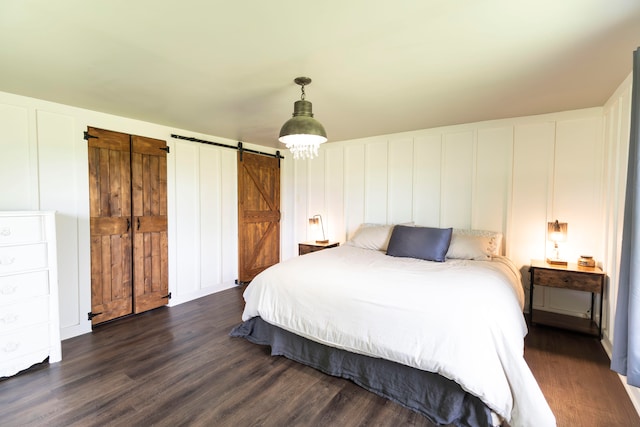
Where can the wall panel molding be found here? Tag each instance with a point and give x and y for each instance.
(45, 160)
(18, 163)
(510, 175)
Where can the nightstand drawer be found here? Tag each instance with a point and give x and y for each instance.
(568, 279)
(308, 247)
(305, 249)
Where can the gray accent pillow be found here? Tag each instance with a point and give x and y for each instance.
(420, 242)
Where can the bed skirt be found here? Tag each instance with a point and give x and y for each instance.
(439, 399)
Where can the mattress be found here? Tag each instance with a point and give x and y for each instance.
(460, 319)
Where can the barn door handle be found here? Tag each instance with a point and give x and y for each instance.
(128, 225)
(138, 223)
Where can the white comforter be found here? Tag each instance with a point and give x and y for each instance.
(461, 319)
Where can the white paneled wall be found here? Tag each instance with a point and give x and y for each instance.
(510, 175)
(19, 186)
(617, 113)
(457, 171)
(62, 162)
(531, 204)
(43, 166)
(376, 181)
(400, 177)
(492, 181)
(206, 220)
(335, 189)
(427, 151)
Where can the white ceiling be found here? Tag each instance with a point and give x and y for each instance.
(226, 68)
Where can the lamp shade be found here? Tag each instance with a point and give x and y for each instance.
(314, 221)
(302, 127)
(557, 231)
(302, 134)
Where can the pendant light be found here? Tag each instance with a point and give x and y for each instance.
(302, 134)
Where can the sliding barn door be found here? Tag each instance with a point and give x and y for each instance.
(150, 250)
(258, 214)
(128, 207)
(110, 223)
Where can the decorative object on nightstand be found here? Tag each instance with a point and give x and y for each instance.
(586, 261)
(308, 247)
(573, 277)
(313, 222)
(556, 232)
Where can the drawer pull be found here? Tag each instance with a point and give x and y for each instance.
(11, 347)
(5, 231)
(8, 289)
(9, 318)
(7, 260)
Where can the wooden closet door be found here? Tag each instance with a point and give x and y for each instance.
(150, 249)
(110, 224)
(258, 214)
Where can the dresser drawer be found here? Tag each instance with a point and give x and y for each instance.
(24, 341)
(24, 313)
(29, 320)
(568, 279)
(23, 257)
(15, 287)
(17, 364)
(25, 229)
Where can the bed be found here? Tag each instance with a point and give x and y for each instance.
(440, 331)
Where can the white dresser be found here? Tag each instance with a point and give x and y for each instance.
(29, 319)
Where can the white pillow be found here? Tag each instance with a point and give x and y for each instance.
(474, 244)
(373, 236)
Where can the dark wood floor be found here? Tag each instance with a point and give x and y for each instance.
(178, 366)
(574, 375)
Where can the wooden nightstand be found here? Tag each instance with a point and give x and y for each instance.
(308, 247)
(574, 277)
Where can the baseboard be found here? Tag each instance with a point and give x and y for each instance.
(84, 327)
(75, 330)
(633, 392)
(180, 299)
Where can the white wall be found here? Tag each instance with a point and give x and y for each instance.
(511, 175)
(43, 166)
(617, 114)
(617, 126)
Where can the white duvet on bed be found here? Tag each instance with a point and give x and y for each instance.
(462, 319)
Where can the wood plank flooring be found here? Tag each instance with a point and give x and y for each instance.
(178, 367)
